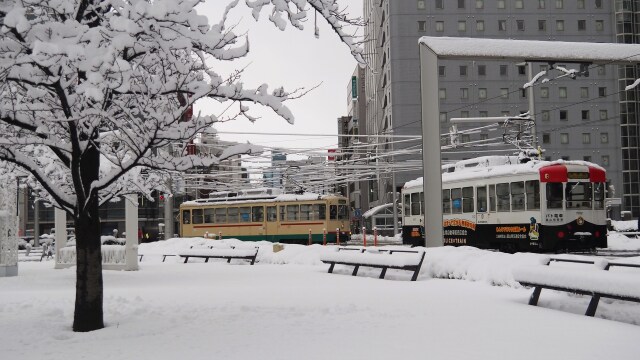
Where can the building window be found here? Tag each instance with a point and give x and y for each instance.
(523, 94)
(441, 70)
(484, 136)
(502, 25)
(463, 70)
(586, 138)
(464, 93)
(504, 93)
(503, 70)
(464, 114)
(604, 138)
(602, 91)
(461, 4)
(542, 25)
(564, 115)
(480, 25)
(580, 4)
(462, 25)
(443, 117)
(422, 26)
(520, 25)
(545, 115)
(542, 4)
(562, 92)
(585, 114)
(584, 92)
(599, 25)
(519, 4)
(483, 114)
(544, 67)
(564, 138)
(602, 70)
(560, 25)
(565, 158)
(439, 4)
(482, 70)
(544, 92)
(547, 158)
(505, 113)
(442, 94)
(604, 115)
(501, 4)
(582, 25)
(439, 26)
(479, 4)
(421, 4)
(546, 138)
(482, 93)
(586, 158)
(598, 4)
(605, 160)
(559, 4)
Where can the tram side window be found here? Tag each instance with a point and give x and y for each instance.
(407, 205)
(305, 212)
(257, 214)
(598, 196)
(502, 194)
(186, 216)
(467, 199)
(554, 195)
(343, 212)
(232, 214)
(517, 196)
(456, 201)
(446, 201)
(319, 212)
(333, 212)
(415, 204)
(272, 213)
(578, 195)
(245, 214)
(209, 216)
(481, 192)
(221, 215)
(197, 216)
(492, 198)
(282, 213)
(532, 188)
(292, 212)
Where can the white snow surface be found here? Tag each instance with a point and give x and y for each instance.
(355, 257)
(286, 306)
(625, 225)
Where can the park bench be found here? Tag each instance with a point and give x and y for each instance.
(217, 253)
(409, 260)
(217, 246)
(596, 282)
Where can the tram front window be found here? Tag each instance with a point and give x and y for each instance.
(554, 195)
(578, 195)
(598, 196)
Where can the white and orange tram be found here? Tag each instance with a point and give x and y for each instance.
(501, 202)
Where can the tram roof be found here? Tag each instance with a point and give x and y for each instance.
(490, 166)
(275, 198)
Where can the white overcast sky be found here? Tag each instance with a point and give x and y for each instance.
(293, 59)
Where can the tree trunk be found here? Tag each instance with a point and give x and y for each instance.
(88, 315)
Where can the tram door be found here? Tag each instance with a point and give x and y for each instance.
(271, 230)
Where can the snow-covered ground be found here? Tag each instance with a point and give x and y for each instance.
(465, 305)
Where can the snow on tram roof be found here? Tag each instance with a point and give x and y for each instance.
(275, 198)
(492, 166)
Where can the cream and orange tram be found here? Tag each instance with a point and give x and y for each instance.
(501, 202)
(267, 214)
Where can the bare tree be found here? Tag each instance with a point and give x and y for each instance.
(94, 91)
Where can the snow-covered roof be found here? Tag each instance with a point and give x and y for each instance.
(278, 198)
(375, 210)
(529, 49)
(487, 169)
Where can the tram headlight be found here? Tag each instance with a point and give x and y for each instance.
(560, 234)
(597, 234)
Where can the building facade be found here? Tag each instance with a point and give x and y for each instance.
(580, 118)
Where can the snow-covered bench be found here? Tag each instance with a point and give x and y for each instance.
(409, 260)
(217, 253)
(592, 282)
(215, 246)
(606, 265)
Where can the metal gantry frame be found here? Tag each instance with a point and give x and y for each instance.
(433, 49)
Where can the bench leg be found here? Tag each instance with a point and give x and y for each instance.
(206, 260)
(228, 260)
(383, 273)
(331, 267)
(164, 257)
(415, 274)
(533, 300)
(186, 258)
(355, 270)
(253, 259)
(593, 305)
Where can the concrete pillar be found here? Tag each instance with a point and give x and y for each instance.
(431, 147)
(60, 224)
(131, 228)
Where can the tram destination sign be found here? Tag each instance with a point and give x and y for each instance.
(577, 175)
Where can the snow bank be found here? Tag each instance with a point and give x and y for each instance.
(625, 225)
